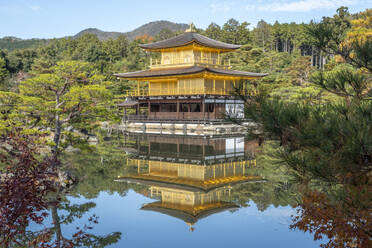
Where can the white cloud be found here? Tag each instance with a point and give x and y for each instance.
(35, 7)
(301, 6)
(220, 7)
(274, 215)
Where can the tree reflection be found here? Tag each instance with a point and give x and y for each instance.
(29, 193)
(64, 214)
(342, 215)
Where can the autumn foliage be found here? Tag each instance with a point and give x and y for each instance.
(23, 186)
(344, 222)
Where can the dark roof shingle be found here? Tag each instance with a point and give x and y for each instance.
(186, 38)
(185, 71)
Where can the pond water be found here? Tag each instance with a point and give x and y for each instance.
(165, 191)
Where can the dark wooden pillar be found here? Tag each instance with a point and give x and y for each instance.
(125, 114)
(189, 110)
(215, 110)
(203, 107)
(178, 108)
(148, 109)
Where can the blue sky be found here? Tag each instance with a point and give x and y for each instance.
(58, 18)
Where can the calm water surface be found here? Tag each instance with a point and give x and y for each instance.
(163, 191)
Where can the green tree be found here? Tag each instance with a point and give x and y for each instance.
(329, 141)
(262, 35)
(213, 31)
(21, 60)
(3, 71)
(229, 31)
(164, 34)
(72, 95)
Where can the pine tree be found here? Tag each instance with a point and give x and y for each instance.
(326, 140)
(71, 95)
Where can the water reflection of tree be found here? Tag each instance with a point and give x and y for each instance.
(64, 214)
(96, 168)
(28, 189)
(342, 215)
(279, 189)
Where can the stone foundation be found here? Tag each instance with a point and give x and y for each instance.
(212, 129)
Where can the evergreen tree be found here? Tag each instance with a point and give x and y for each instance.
(213, 31)
(72, 95)
(229, 31)
(263, 35)
(3, 70)
(331, 140)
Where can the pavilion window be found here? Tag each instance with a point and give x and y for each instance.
(169, 107)
(209, 107)
(167, 148)
(154, 107)
(166, 60)
(219, 84)
(197, 55)
(195, 149)
(214, 57)
(195, 107)
(209, 150)
(187, 59)
(176, 58)
(184, 107)
(154, 146)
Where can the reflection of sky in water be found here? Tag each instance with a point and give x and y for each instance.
(178, 187)
(274, 215)
(246, 227)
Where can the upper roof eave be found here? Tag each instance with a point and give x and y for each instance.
(186, 39)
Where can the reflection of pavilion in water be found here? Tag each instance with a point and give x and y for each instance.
(190, 177)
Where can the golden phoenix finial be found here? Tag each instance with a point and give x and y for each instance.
(191, 28)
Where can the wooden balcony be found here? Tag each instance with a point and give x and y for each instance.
(178, 92)
(198, 61)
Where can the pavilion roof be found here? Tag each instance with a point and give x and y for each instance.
(189, 214)
(189, 184)
(186, 71)
(128, 103)
(186, 39)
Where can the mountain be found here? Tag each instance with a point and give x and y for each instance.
(12, 43)
(154, 28)
(102, 35)
(151, 28)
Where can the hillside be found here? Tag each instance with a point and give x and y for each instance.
(102, 35)
(154, 28)
(13, 43)
(151, 28)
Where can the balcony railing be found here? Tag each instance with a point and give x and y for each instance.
(178, 92)
(224, 64)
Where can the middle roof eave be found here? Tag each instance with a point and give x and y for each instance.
(186, 71)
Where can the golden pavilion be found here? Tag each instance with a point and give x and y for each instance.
(190, 81)
(194, 179)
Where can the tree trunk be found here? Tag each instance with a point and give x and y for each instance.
(57, 225)
(57, 132)
(57, 137)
